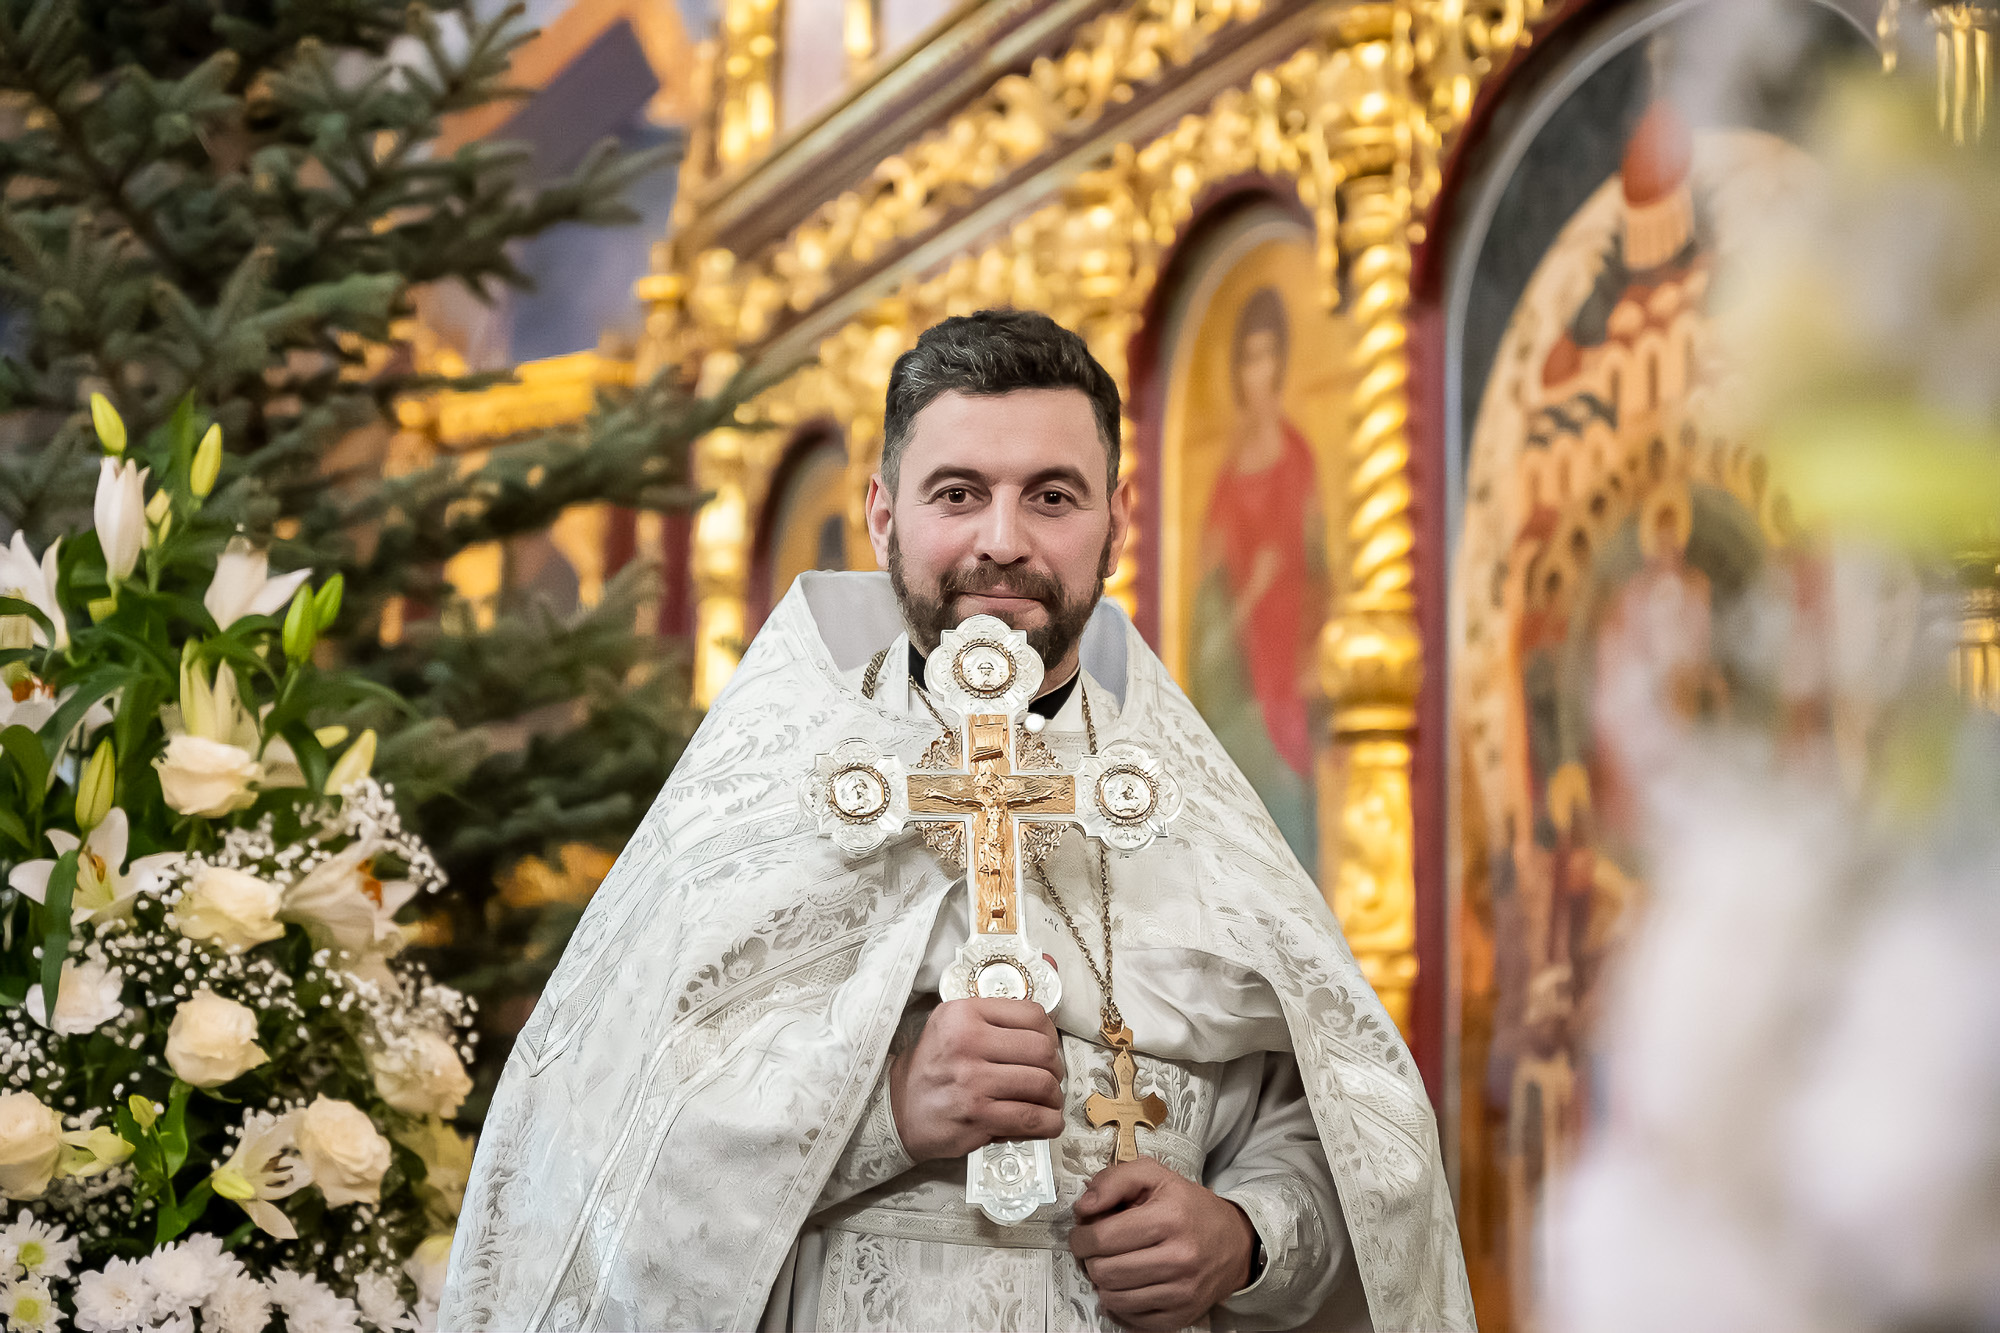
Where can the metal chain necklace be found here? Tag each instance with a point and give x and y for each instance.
(1112, 1021)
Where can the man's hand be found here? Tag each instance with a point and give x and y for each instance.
(982, 1070)
(1160, 1249)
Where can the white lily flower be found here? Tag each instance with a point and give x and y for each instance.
(26, 701)
(88, 996)
(35, 583)
(120, 512)
(243, 585)
(266, 1165)
(106, 887)
(342, 904)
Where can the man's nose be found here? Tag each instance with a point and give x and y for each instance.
(1001, 537)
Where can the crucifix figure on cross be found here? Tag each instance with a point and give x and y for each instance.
(987, 674)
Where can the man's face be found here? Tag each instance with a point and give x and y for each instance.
(1002, 509)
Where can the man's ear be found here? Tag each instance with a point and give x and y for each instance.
(1121, 527)
(881, 509)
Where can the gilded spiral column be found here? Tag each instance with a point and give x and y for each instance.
(720, 560)
(1371, 662)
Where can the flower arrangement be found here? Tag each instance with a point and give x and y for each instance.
(225, 1101)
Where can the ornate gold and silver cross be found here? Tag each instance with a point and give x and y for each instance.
(977, 810)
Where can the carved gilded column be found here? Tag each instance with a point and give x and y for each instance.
(747, 105)
(720, 563)
(1371, 657)
(1975, 661)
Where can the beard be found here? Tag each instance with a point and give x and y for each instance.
(928, 615)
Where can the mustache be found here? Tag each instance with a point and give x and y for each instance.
(986, 578)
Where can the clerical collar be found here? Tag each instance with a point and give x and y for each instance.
(1048, 705)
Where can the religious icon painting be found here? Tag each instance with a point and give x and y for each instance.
(1611, 524)
(1255, 417)
(805, 518)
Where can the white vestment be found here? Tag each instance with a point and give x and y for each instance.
(892, 1246)
(693, 1130)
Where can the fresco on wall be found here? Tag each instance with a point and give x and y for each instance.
(807, 521)
(1611, 524)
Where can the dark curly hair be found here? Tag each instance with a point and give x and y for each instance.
(994, 352)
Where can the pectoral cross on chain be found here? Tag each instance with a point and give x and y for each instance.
(1125, 1108)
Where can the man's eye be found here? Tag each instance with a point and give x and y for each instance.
(954, 495)
(1055, 498)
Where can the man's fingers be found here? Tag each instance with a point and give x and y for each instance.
(1117, 1186)
(1011, 1046)
(1119, 1233)
(1021, 1083)
(1010, 1014)
(1020, 1120)
(1135, 1269)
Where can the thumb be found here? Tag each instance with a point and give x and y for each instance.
(1118, 1186)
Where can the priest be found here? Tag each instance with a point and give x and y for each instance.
(740, 1103)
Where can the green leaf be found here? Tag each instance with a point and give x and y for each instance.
(176, 1218)
(138, 711)
(11, 825)
(181, 432)
(172, 1127)
(55, 936)
(310, 754)
(88, 691)
(25, 749)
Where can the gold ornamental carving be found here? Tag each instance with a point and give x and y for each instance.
(747, 101)
(1358, 116)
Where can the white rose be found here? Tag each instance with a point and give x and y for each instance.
(199, 776)
(342, 1148)
(87, 997)
(30, 1145)
(212, 1040)
(232, 907)
(421, 1075)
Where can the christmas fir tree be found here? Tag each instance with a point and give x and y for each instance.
(234, 205)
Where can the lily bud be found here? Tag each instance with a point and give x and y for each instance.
(330, 736)
(159, 516)
(326, 603)
(110, 426)
(142, 1110)
(300, 629)
(207, 462)
(197, 696)
(120, 515)
(353, 765)
(94, 788)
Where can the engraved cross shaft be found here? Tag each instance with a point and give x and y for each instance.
(1126, 1108)
(992, 794)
